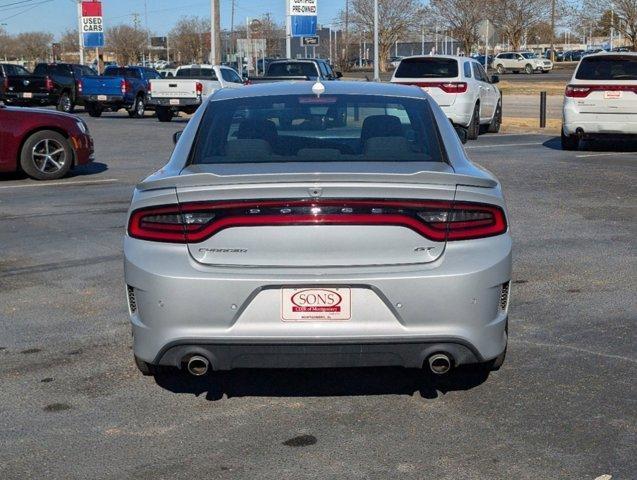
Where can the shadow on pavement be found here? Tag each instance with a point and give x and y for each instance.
(604, 145)
(327, 382)
(90, 169)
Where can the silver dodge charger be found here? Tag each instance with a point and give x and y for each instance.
(318, 225)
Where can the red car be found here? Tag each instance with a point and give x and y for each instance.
(43, 144)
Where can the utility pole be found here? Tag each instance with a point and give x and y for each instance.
(612, 24)
(346, 39)
(552, 30)
(232, 41)
(215, 31)
(79, 31)
(376, 46)
(288, 30)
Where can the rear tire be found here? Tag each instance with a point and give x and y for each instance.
(473, 130)
(146, 369)
(46, 155)
(138, 109)
(569, 142)
(164, 114)
(65, 104)
(496, 121)
(94, 110)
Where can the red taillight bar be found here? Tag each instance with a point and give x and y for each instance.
(447, 87)
(582, 91)
(448, 220)
(199, 88)
(49, 84)
(125, 87)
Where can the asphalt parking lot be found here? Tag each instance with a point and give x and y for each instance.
(72, 404)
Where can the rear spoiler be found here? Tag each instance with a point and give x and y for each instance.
(212, 179)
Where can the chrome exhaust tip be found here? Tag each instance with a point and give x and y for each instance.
(440, 363)
(198, 366)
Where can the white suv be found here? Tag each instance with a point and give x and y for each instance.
(460, 86)
(601, 98)
(526, 62)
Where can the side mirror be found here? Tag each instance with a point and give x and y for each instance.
(463, 135)
(495, 79)
(177, 136)
(339, 74)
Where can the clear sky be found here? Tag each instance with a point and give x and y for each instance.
(56, 16)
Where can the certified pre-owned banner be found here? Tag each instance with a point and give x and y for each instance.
(303, 17)
(92, 24)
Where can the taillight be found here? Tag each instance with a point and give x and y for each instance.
(5, 83)
(125, 87)
(447, 87)
(575, 91)
(582, 91)
(199, 88)
(436, 220)
(80, 86)
(49, 84)
(150, 87)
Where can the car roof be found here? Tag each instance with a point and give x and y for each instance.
(613, 54)
(449, 57)
(331, 88)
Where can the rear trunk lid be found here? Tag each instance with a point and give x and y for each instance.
(287, 216)
(102, 85)
(27, 84)
(175, 88)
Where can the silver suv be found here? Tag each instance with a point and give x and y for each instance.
(527, 62)
(318, 225)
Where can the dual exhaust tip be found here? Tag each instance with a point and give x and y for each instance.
(439, 364)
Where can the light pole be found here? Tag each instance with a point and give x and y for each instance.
(79, 31)
(376, 53)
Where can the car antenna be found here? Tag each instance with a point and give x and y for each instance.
(318, 88)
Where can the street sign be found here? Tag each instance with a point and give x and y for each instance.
(310, 41)
(303, 17)
(92, 24)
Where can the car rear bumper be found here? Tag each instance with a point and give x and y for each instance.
(108, 100)
(598, 124)
(231, 355)
(178, 307)
(174, 103)
(35, 99)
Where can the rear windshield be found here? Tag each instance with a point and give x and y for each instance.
(621, 67)
(122, 72)
(296, 69)
(427, 68)
(332, 128)
(203, 73)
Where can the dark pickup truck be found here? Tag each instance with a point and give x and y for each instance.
(119, 87)
(303, 69)
(50, 84)
(9, 74)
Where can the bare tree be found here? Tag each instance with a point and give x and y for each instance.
(595, 18)
(463, 17)
(34, 46)
(127, 43)
(7, 45)
(69, 41)
(513, 18)
(190, 39)
(396, 18)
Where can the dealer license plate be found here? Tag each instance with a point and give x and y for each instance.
(102, 97)
(174, 101)
(612, 94)
(27, 95)
(316, 304)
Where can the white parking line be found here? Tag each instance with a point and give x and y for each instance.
(496, 145)
(609, 154)
(60, 184)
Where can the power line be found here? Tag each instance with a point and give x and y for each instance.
(16, 5)
(25, 11)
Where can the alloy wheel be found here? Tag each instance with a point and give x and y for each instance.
(48, 156)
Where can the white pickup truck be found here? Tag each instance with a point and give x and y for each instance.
(191, 85)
